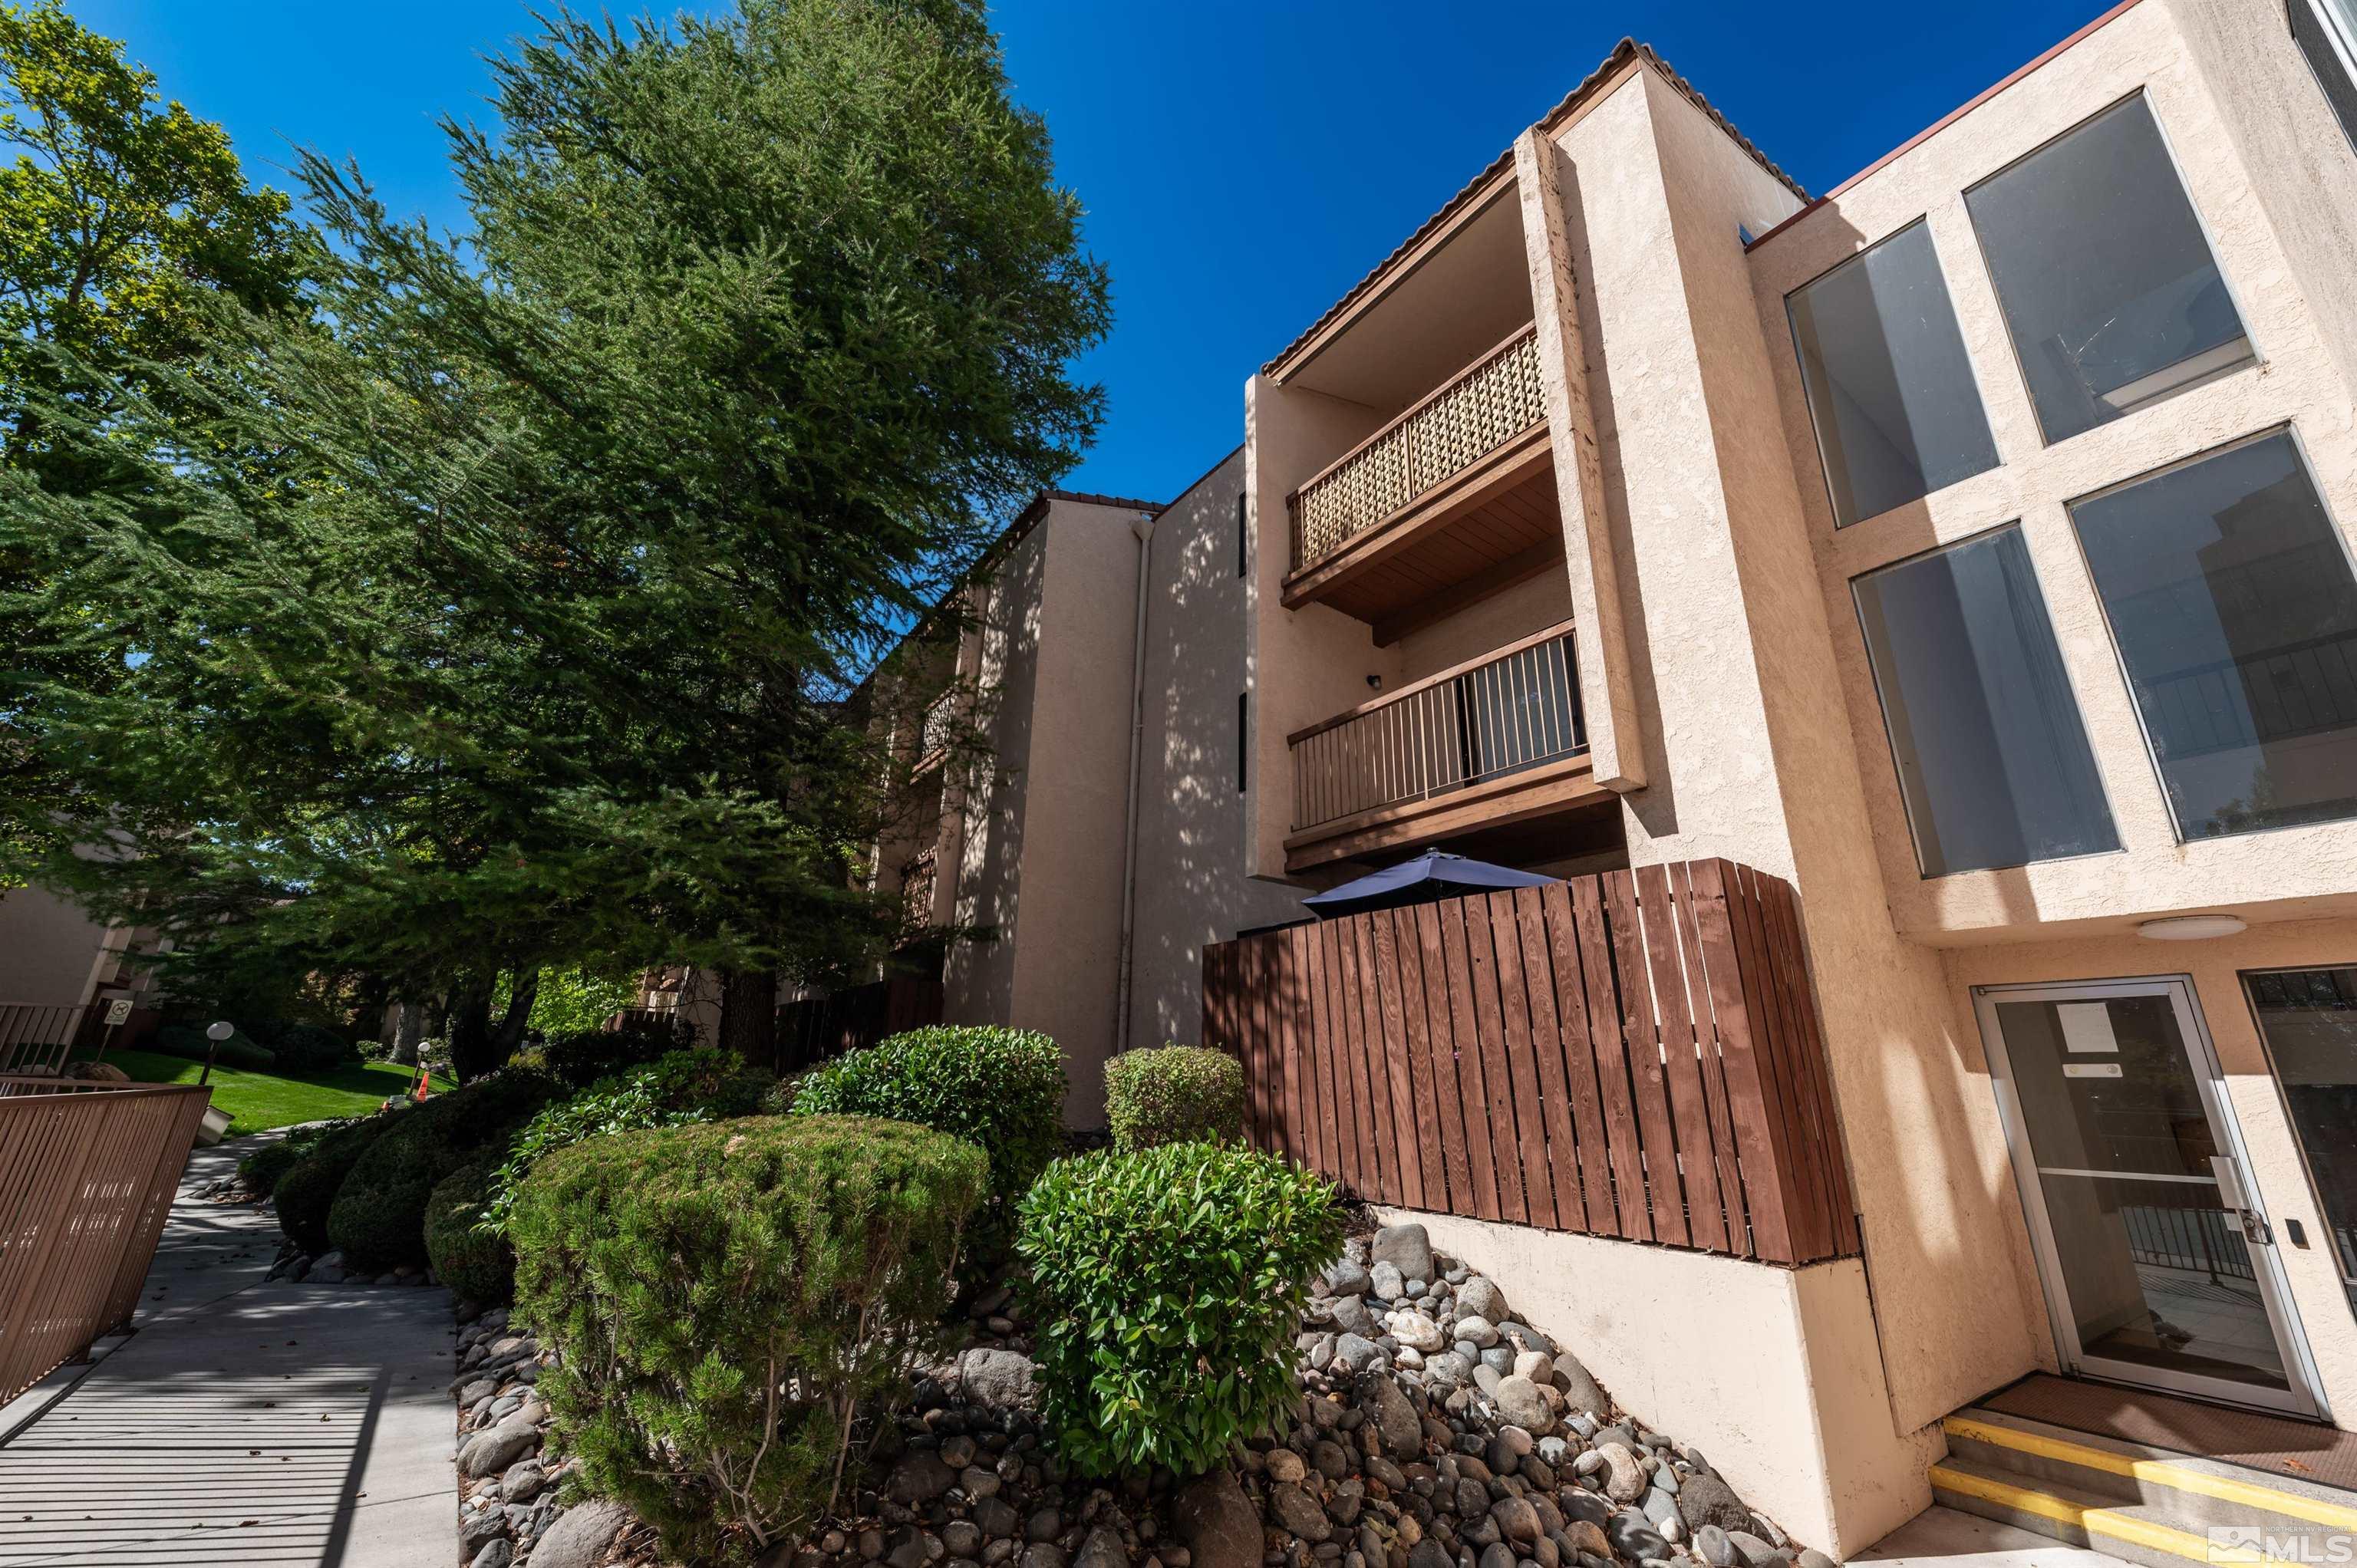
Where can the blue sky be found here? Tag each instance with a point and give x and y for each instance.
(1243, 164)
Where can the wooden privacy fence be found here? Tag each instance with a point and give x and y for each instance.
(1634, 1054)
(86, 1175)
(820, 1028)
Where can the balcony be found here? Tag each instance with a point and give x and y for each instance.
(935, 733)
(1494, 741)
(1452, 500)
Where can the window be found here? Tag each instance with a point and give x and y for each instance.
(2309, 1019)
(2104, 276)
(2234, 611)
(1993, 761)
(1897, 411)
(1244, 735)
(2326, 31)
(1243, 541)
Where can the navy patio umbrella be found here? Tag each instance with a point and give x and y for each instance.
(1430, 876)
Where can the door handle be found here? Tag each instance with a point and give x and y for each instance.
(2235, 1201)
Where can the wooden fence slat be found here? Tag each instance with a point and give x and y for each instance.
(1473, 1095)
(1682, 1070)
(1515, 1007)
(1408, 1174)
(1572, 1014)
(1712, 1062)
(1546, 1047)
(1736, 987)
(1448, 1097)
(1379, 1125)
(1498, 1085)
(1636, 1054)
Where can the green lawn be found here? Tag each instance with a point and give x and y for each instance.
(256, 1100)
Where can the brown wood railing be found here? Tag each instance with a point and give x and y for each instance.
(86, 1175)
(1450, 428)
(1513, 708)
(36, 1038)
(1632, 1055)
(820, 1028)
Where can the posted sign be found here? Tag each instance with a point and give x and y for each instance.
(118, 1011)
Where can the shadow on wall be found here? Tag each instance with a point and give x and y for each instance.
(1191, 858)
(979, 977)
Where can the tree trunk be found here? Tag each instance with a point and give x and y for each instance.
(510, 1034)
(749, 1014)
(409, 1028)
(473, 1052)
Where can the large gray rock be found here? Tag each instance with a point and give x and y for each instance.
(1347, 1277)
(581, 1535)
(1520, 1402)
(1407, 1246)
(1218, 1522)
(1351, 1315)
(1624, 1479)
(1446, 1368)
(1356, 1352)
(490, 1452)
(1395, 1418)
(919, 1478)
(1633, 1535)
(1711, 1544)
(1293, 1512)
(1581, 1392)
(494, 1554)
(1703, 1499)
(1481, 1298)
(1000, 1379)
(1517, 1519)
(1103, 1549)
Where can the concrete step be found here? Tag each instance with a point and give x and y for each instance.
(2146, 1505)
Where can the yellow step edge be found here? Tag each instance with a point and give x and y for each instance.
(2100, 1521)
(2156, 1472)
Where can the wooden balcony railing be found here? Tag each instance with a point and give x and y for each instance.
(1495, 399)
(1506, 711)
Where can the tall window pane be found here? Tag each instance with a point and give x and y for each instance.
(2231, 598)
(2309, 1019)
(1897, 411)
(1993, 761)
(2107, 282)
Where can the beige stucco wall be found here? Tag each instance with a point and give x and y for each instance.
(1747, 746)
(1771, 1372)
(2215, 968)
(50, 952)
(1506, 616)
(1191, 887)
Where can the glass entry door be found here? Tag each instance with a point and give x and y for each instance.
(2159, 1268)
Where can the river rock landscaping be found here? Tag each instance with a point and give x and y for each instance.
(1436, 1429)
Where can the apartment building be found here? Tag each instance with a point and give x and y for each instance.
(1969, 547)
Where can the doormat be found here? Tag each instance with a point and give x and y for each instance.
(2300, 1450)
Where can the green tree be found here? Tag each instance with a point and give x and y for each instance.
(504, 610)
(117, 212)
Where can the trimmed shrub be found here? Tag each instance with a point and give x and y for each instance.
(1179, 1094)
(685, 1087)
(307, 1191)
(261, 1169)
(188, 1041)
(1001, 1090)
(378, 1219)
(583, 1056)
(685, 1275)
(1167, 1284)
(477, 1264)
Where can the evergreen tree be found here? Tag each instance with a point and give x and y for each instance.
(502, 609)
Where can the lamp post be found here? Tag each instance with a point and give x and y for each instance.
(218, 1030)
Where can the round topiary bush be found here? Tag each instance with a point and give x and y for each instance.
(378, 1219)
(307, 1191)
(477, 1263)
(262, 1169)
(724, 1298)
(1001, 1090)
(1177, 1094)
(1168, 1284)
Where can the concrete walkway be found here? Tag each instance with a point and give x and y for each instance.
(244, 1422)
(1946, 1538)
